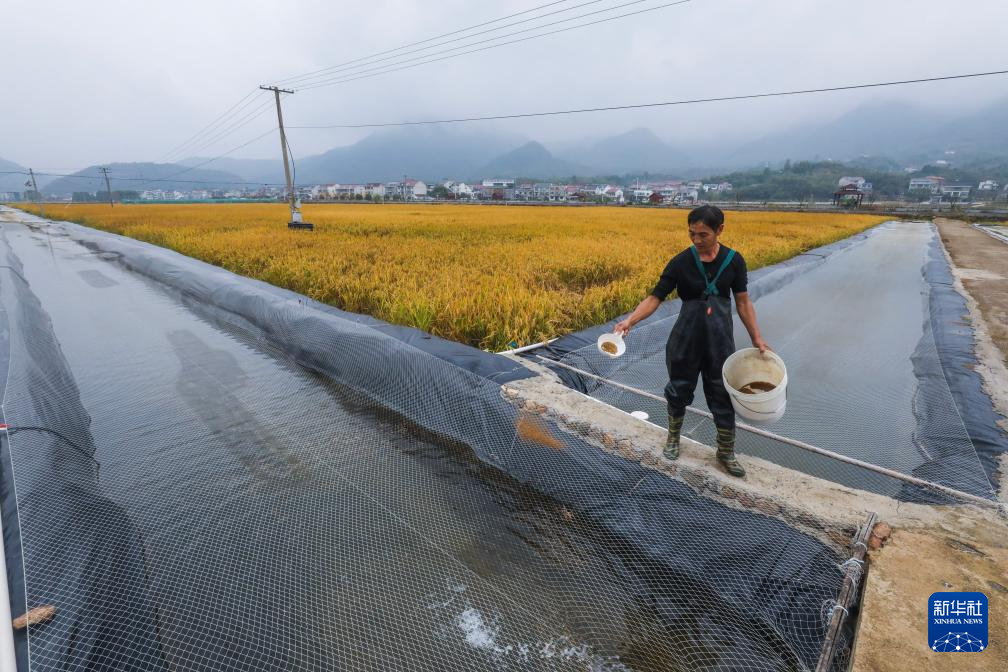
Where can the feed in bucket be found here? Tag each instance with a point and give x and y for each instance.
(756, 387)
(611, 345)
(756, 384)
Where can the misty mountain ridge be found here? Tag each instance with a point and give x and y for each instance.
(431, 153)
(637, 150)
(15, 181)
(902, 132)
(264, 171)
(530, 160)
(883, 135)
(141, 176)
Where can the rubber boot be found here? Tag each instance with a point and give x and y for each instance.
(671, 451)
(726, 452)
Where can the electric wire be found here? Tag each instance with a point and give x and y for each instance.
(238, 124)
(220, 121)
(212, 126)
(212, 134)
(689, 101)
(396, 67)
(157, 179)
(751, 96)
(344, 66)
(167, 178)
(219, 156)
(413, 44)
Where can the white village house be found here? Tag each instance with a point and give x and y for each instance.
(459, 189)
(932, 184)
(955, 192)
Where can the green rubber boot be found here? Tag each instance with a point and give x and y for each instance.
(671, 451)
(726, 452)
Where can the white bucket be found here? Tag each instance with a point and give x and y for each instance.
(748, 366)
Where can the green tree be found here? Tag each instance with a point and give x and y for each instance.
(440, 192)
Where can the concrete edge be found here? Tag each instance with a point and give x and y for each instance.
(827, 511)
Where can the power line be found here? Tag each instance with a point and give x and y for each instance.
(344, 66)
(216, 122)
(170, 177)
(215, 125)
(430, 39)
(219, 156)
(160, 179)
(349, 77)
(669, 103)
(238, 124)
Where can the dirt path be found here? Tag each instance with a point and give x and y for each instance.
(962, 554)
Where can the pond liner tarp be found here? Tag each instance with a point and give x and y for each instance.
(955, 341)
(102, 621)
(754, 586)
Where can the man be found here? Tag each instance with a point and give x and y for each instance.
(702, 339)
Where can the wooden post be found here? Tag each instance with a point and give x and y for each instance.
(848, 591)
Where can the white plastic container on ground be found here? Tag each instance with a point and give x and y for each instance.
(748, 366)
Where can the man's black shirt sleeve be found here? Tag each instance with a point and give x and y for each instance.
(740, 281)
(667, 282)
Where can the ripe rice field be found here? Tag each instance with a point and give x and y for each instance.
(488, 276)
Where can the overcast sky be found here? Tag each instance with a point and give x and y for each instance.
(110, 80)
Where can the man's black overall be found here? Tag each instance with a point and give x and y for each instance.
(700, 342)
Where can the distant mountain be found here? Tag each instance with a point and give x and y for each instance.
(634, 151)
(266, 171)
(982, 134)
(425, 153)
(140, 176)
(879, 136)
(15, 181)
(531, 160)
(899, 131)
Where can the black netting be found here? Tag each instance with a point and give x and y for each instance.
(212, 474)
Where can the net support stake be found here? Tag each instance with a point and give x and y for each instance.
(847, 593)
(906, 478)
(526, 348)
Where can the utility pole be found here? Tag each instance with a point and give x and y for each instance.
(108, 187)
(295, 203)
(38, 194)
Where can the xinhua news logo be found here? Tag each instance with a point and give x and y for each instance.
(957, 622)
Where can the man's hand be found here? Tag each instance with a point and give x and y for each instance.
(641, 312)
(762, 345)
